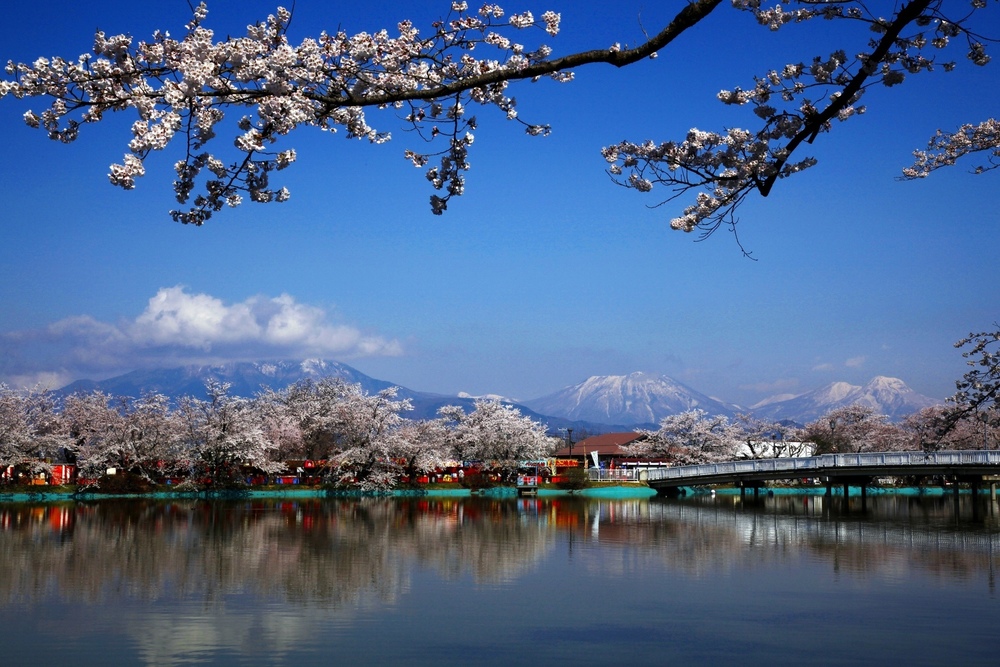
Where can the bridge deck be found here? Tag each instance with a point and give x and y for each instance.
(843, 467)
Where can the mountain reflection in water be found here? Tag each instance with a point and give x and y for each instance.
(202, 566)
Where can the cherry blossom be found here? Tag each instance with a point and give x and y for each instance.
(797, 102)
(30, 431)
(946, 148)
(855, 428)
(222, 435)
(181, 89)
(689, 438)
(947, 428)
(498, 435)
(973, 407)
(369, 438)
(139, 436)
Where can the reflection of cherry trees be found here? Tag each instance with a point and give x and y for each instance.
(330, 553)
(352, 553)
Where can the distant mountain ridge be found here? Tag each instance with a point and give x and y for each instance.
(887, 396)
(250, 378)
(246, 378)
(599, 404)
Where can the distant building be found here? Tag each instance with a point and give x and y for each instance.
(599, 449)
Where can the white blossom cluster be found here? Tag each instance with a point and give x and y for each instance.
(976, 393)
(183, 87)
(797, 102)
(728, 165)
(30, 432)
(690, 438)
(945, 149)
(497, 433)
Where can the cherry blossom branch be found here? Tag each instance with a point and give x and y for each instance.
(815, 123)
(946, 148)
(182, 87)
(724, 168)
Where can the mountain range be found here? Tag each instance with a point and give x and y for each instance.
(250, 378)
(598, 404)
(887, 396)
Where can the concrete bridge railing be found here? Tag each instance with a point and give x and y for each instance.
(886, 463)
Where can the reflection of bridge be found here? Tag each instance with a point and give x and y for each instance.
(818, 526)
(972, 467)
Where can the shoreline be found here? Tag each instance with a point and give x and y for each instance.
(614, 491)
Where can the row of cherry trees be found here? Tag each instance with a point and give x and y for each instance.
(369, 442)
(365, 439)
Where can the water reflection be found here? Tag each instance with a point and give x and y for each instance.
(335, 553)
(438, 581)
(314, 551)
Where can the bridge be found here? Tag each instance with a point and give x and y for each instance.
(966, 467)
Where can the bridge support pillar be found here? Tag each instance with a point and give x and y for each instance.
(829, 488)
(847, 490)
(974, 486)
(993, 491)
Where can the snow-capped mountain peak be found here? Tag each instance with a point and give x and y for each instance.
(636, 398)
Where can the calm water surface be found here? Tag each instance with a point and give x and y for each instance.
(788, 580)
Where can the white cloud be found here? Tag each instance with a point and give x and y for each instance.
(178, 327)
(174, 317)
(855, 362)
(40, 380)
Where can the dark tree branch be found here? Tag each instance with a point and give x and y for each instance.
(812, 127)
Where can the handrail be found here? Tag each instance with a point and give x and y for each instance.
(616, 475)
(915, 460)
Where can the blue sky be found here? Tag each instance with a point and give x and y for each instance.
(545, 272)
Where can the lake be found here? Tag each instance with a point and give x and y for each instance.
(557, 581)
